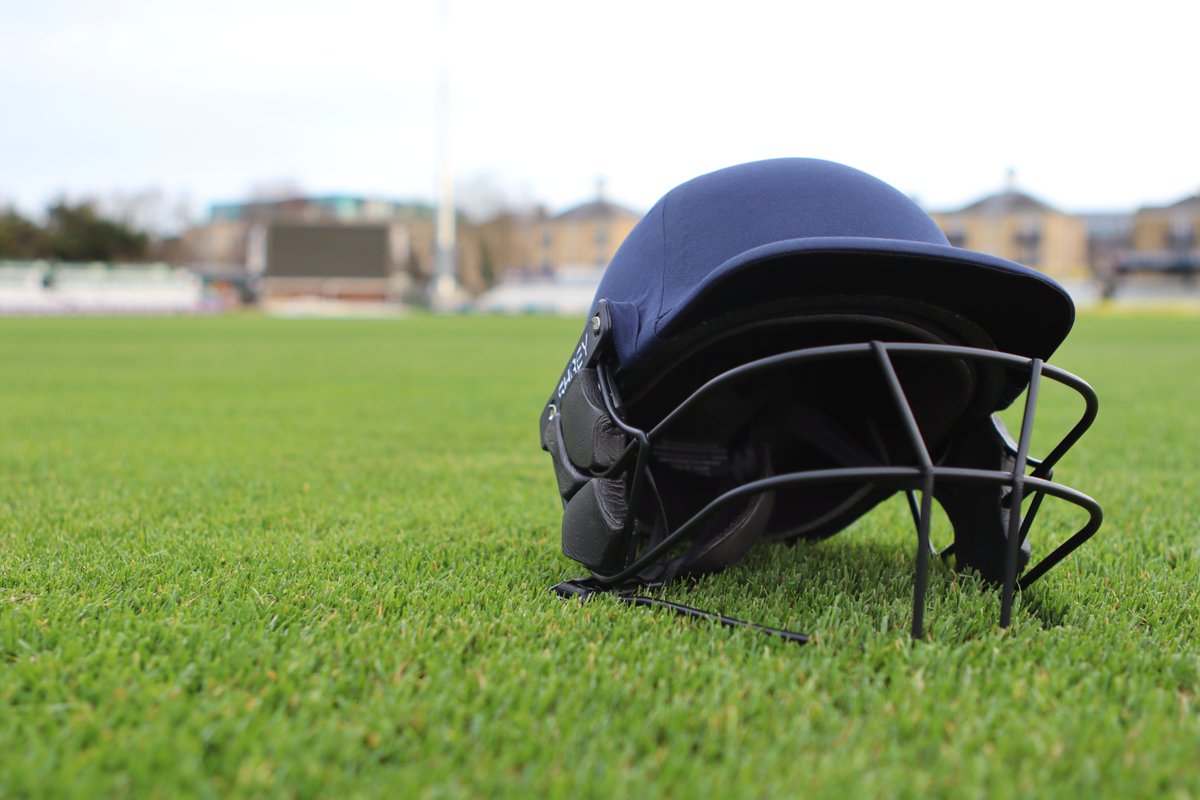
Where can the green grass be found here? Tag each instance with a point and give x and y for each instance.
(262, 557)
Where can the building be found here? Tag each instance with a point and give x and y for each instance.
(1014, 225)
(544, 263)
(587, 234)
(239, 243)
(535, 242)
(1173, 229)
(334, 246)
(1166, 240)
(1109, 239)
(326, 208)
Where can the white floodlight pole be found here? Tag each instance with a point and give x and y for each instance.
(445, 279)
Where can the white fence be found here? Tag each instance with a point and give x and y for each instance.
(45, 288)
(568, 291)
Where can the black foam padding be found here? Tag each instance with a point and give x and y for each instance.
(730, 545)
(593, 525)
(570, 480)
(592, 440)
(977, 511)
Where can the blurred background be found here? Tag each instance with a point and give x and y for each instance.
(366, 157)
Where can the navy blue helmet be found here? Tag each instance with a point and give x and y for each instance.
(778, 347)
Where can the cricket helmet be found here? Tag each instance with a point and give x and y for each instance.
(778, 347)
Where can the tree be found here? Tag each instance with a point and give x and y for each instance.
(78, 233)
(487, 271)
(73, 232)
(21, 238)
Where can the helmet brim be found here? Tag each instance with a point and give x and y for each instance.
(1023, 311)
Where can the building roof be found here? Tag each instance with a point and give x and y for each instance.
(339, 205)
(1190, 202)
(597, 209)
(1008, 201)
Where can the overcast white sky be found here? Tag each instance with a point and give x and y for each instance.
(1095, 108)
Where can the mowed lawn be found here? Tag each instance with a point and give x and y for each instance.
(293, 558)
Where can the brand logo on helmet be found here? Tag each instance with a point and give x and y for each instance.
(578, 361)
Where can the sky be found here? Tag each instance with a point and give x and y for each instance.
(1094, 105)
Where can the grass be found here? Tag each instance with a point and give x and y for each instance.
(293, 558)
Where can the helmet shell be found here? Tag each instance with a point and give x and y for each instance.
(801, 227)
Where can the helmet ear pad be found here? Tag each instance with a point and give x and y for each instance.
(584, 442)
(570, 478)
(593, 525)
(593, 442)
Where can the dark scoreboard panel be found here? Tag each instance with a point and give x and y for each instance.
(328, 251)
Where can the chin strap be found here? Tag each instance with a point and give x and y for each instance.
(585, 588)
